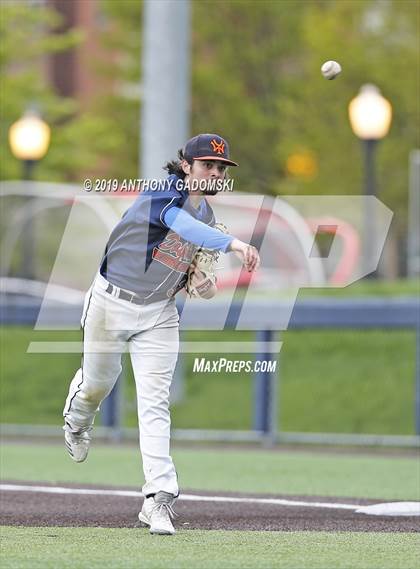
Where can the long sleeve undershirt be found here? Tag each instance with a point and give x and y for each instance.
(195, 231)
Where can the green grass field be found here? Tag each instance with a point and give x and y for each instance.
(331, 381)
(73, 548)
(325, 474)
(276, 472)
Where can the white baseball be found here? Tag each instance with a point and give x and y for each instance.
(330, 69)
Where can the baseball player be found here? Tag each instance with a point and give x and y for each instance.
(151, 255)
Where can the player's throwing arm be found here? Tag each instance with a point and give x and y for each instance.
(247, 254)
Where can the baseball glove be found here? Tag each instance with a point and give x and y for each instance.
(201, 277)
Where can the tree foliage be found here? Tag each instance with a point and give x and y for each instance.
(255, 79)
(78, 139)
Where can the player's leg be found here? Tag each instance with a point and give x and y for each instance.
(101, 366)
(154, 354)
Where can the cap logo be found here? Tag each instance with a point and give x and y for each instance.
(218, 147)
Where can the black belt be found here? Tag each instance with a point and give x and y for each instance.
(130, 297)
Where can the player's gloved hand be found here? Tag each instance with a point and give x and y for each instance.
(201, 278)
(247, 254)
(199, 284)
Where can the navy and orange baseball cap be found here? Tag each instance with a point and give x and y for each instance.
(208, 147)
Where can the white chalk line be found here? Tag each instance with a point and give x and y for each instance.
(183, 497)
(385, 509)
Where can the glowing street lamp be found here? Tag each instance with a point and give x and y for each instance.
(370, 114)
(29, 138)
(370, 118)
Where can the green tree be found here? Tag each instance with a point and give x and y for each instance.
(376, 42)
(78, 139)
(244, 54)
(255, 79)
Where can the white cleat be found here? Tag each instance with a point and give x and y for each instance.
(157, 513)
(77, 442)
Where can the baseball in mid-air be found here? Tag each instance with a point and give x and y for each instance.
(330, 69)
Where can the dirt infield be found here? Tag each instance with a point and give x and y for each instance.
(23, 508)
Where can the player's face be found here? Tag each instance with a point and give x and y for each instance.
(208, 170)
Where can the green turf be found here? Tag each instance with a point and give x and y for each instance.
(73, 548)
(331, 381)
(253, 471)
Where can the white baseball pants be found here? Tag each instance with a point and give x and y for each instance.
(150, 333)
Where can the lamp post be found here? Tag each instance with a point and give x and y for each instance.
(29, 138)
(370, 118)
